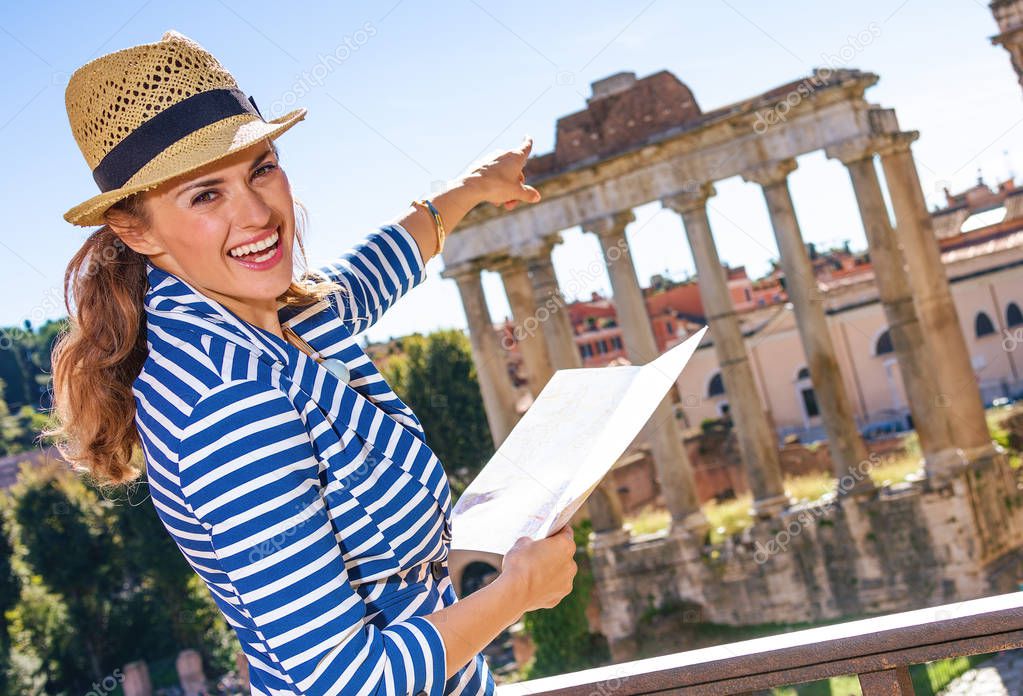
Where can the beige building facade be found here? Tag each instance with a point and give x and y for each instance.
(987, 286)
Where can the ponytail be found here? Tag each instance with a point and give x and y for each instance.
(97, 357)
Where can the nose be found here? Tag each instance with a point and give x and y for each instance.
(252, 209)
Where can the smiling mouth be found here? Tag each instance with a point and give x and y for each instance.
(258, 251)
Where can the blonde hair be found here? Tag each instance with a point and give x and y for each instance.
(98, 355)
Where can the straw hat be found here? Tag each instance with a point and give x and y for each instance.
(149, 113)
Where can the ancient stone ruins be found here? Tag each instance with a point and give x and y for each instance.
(953, 534)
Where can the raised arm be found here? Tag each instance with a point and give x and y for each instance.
(390, 262)
(497, 178)
(374, 274)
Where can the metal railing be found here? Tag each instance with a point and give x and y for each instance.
(878, 650)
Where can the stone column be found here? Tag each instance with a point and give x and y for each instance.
(553, 322)
(605, 507)
(953, 374)
(190, 673)
(241, 665)
(912, 351)
(848, 453)
(551, 309)
(519, 290)
(674, 471)
(491, 366)
(757, 440)
(136, 679)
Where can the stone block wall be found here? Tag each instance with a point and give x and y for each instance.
(904, 547)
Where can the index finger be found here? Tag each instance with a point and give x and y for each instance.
(527, 146)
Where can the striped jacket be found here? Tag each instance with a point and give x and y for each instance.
(314, 510)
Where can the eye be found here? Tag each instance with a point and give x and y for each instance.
(268, 167)
(261, 171)
(199, 198)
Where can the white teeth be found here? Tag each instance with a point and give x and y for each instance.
(257, 246)
(263, 257)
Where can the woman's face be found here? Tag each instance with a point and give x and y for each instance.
(227, 230)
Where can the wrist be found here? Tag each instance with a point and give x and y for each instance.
(514, 592)
(475, 187)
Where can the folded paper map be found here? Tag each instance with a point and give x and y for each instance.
(564, 445)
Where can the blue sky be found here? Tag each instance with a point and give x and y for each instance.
(425, 88)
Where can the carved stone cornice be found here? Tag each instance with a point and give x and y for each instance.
(683, 202)
(607, 225)
(770, 173)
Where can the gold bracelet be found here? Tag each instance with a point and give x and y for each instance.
(438, 223)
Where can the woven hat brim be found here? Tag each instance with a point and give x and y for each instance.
(89, 213)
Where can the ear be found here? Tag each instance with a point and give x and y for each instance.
(132, 232)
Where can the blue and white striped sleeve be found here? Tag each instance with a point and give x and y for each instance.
(375, 273)
(250, 475)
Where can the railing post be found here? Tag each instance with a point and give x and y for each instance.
(887, 682)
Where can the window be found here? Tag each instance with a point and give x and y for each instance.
(1013, 315)
(602, 347)
(982, 325)
(716, 386)
(586, 350)
(670, 327)
(616, 341)
(810, 403)
(884, 344)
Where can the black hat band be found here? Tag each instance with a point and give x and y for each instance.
(166, 128)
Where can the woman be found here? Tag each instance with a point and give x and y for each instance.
(295, 482)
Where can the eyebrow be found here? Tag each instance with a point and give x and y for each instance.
(214, 182)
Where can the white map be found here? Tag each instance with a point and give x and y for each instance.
(564, 445)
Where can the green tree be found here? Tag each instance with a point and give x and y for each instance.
(11, 432)
(103, 584)
(10, 590)
(62, 531)
(14, 372)
(25, 362)
(167, 593)
(436, 377)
